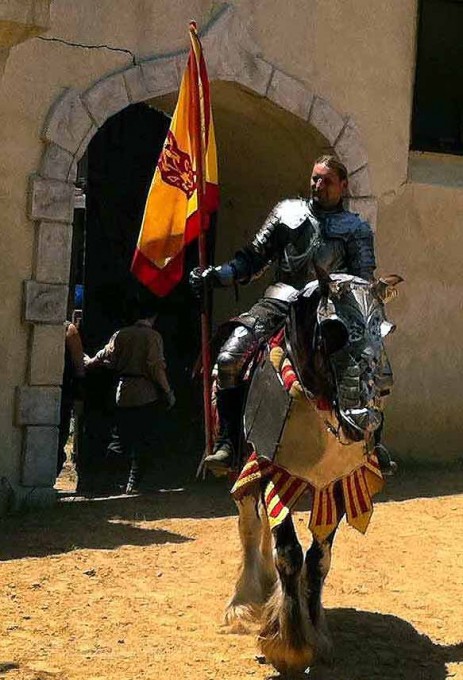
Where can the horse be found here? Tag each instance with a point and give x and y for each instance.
(313, 413)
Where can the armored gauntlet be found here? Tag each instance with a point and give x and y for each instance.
(202, 280)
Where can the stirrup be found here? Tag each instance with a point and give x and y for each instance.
(220, 461)
(387, 466)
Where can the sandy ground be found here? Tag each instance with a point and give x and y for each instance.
(133, 588)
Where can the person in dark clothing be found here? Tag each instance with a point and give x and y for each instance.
(136, 354)
(299, 236)
(71, 389)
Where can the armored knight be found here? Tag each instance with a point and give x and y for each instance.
(297, 235)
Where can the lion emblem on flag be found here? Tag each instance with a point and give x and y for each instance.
(176, 168)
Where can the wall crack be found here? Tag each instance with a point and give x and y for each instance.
(69, 43)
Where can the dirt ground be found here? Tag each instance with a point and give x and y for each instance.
(133, 588)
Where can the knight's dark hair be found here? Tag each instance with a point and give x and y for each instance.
(334, 164)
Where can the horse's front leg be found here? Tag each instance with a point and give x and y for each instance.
(256, 577)
(317, 566)
(287, 637)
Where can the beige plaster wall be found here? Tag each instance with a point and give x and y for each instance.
(21, 19)
(420, 237)
(20, 155)
(142, 26)
(359, 55)
(3, 59)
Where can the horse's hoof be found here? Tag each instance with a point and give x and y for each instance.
(285, 658)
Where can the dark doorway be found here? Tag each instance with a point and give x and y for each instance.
(119, 167)
(438, 102)
(121, 161)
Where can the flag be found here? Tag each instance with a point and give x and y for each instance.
(184, 190)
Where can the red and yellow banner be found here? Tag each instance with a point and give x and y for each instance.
(184, 190)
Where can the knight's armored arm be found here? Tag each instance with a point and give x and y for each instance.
(361, 253)
(252, 260)
(248, 264)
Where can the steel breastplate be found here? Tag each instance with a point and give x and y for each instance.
(305, 245)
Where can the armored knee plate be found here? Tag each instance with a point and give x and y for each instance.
(234, 357)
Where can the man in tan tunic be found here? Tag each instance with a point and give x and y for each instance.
(136, 354)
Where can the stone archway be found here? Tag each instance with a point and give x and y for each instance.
(70, 126)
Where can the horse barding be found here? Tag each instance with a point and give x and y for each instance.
(314, 405)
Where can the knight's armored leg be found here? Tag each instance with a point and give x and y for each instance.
(226, 448)
(232, 359)
(385, 380)
(262, 320)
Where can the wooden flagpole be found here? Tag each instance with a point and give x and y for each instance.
(199, 140)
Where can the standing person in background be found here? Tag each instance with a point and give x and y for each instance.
(136, 354)
(72, 387)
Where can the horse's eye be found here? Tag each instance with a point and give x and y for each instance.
(335, 335)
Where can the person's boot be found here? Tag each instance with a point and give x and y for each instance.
(387, 466)
(229, 411)
(135, 474)
(132, 489)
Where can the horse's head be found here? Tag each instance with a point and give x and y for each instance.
(336, 332)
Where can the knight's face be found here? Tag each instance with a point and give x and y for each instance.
(326, 187)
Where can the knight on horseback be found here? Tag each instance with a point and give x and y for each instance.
(300, 236)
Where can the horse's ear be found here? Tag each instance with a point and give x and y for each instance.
(324, 279)
(385, 287)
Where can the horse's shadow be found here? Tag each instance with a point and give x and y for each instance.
(371, 646)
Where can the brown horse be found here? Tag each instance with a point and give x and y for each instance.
(335, 375)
